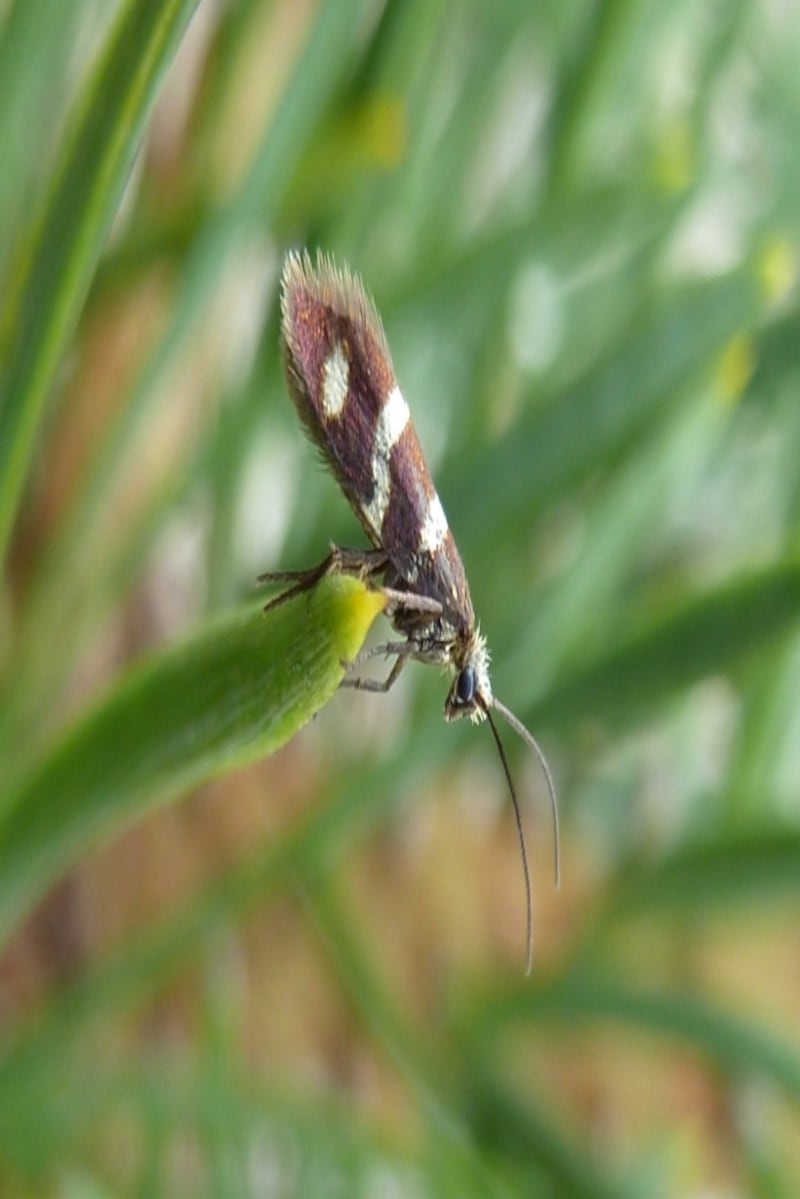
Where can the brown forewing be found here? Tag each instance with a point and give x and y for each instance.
(439, 575)
(321, 309)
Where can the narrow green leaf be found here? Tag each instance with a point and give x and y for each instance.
(582, 608)
(559, 443)
(710, 633)
(577, 99)
(318, 70)
(233, 694)
(467, 1102)
(59, 583)
(527, 1133)
(310, 848)
(699, 880)
(415, 1059)
(85, 192)
(37, 65)
(726, 1038)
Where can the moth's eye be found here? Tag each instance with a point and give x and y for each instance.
(465, 686)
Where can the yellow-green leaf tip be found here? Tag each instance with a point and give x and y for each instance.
(354, 607)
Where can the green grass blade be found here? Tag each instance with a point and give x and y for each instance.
(453, 1103)
(233, 694)
(556, 445)
(712, 632)
(86, 189)
(701, 880)
(732, 1042)
(59, 582)
(257, 201)
(37, 49)
(527, 1134)
(309, 849)
(578, 96)
(583, 606)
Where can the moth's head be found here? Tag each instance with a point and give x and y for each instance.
(471, 692)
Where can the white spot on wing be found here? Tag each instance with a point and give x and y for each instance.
(392, 420)
(335, 381)
(434, 527)
(378, 506)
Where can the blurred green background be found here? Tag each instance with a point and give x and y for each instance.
(580, 224)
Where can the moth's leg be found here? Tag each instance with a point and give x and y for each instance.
(407, 601)
(379, 684)
(299, 580)
(362, 563)
(386, 649)
(403, 650)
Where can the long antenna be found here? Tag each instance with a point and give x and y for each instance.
(532, 743)
(523, 851)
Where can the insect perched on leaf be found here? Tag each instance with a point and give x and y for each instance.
(340, 377)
